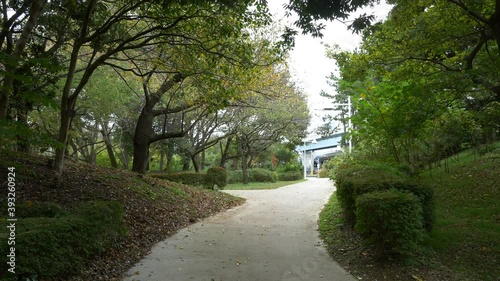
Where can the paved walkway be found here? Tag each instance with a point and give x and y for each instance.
(272, 237)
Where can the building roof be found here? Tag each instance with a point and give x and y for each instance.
(322, 143)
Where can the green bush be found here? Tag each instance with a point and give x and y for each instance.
(290, 176)
(59, 246)
(391, 220)
(262, 175)
(324, 173)
(356, 179)
(234, 176)
(290, 167)
(189, 178)
(216, 176)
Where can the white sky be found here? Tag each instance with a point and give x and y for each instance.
(308, 62)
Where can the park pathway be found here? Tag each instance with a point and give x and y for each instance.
(272, 237)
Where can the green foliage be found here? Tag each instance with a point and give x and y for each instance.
(39, 209)
(391, 220)
(262, 175)
(290, 175)
(234, 176)
(189, 178)
(216, 176)
(324, 173)
(354, 179)
(254, 175)
(57, 246)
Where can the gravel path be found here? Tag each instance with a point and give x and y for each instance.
(273, 236)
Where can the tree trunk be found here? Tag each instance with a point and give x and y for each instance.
(162, 158)
(142, 140)
(225, 152)
(244, 161)
(170, 157)
(196, 164)
(244, 169)
(109, 146)
(67, 114)
(202, 160)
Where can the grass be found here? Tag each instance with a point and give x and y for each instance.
(465, 241)
(466, 236)
(260, 185)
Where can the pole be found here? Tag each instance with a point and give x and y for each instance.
(304, 159)
(349, 123)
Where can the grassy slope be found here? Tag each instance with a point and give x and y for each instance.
(466, 236)
(154, 208)
(465, 242)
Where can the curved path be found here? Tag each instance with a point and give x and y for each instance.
(273, 236)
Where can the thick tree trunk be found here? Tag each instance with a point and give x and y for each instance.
(196, 165)
(225, 152)
(142, 140)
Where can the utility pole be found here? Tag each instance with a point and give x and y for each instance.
(349, 114)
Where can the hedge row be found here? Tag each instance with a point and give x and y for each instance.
(217, 176)
(254, 175)
(53, 242)
(189, 178)
(384, 202)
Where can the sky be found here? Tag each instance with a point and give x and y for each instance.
(308, 62)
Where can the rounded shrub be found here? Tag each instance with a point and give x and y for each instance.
(189, 178)
(234, 176)
(216, 176)
(262, 175)
(355, 180)
(290, 176)
(391, 220)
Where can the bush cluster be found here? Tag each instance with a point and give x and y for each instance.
(390, 220)
(216, 176)
(262, 175)
(392, 184)
(290, 176)
(254, 175)
(234, 176)
(189, 178)
(58, 243)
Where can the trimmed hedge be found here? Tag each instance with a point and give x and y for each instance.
(391, 220)
(234, 176)
(254, 175)
(355, 180)
(290, 176)
(262, 175)
(189, 178)
(216, 176)
(56, 246)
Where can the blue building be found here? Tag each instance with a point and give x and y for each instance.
(315, 152)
